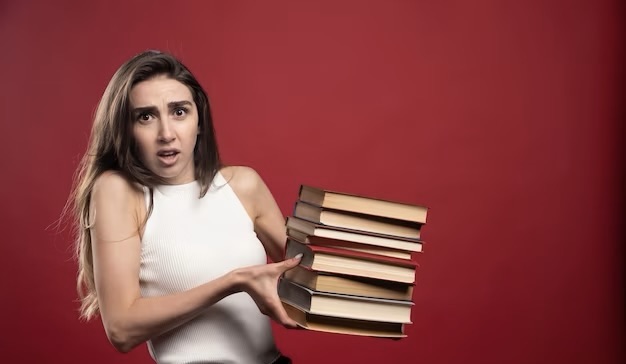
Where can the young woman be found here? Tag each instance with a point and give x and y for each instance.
(172, 245)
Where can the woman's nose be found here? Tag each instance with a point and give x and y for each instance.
(166, 133)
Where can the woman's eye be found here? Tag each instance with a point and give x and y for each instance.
(180, 112)
(144, 117)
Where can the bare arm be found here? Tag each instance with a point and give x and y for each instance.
(269, 225)
(269, 222)
(130, 319)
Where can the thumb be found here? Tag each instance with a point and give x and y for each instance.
(291, 263)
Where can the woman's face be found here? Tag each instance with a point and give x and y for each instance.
(165, 127)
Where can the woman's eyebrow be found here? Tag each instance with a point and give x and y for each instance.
(145, 109)
(154, 109)
(175, 104)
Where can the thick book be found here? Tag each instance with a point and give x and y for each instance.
(350, 285)
(363, 204)
(342, 261)
(339, 325)
(344, 306)
(355, 221)
(350, 245)
(387, 241)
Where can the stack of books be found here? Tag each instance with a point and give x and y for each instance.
(356, 275)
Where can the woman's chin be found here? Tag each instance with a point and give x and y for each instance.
(176, 179)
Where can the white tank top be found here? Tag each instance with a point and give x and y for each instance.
(189, 241)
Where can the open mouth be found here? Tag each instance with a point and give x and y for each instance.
(168, 156)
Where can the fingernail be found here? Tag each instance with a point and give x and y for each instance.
(298, 256)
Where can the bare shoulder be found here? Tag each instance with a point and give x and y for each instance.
(115, 192)
(269, 223)
(247, 185)
(112, 184)
(242, 179)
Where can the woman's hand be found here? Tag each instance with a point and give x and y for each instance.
(261, 283)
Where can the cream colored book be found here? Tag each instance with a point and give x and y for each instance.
(350, 245)
(339, 325)
(342, 261)
(351, 285)
(386, 241)
(344, 306)
(363, 204)
(354, 221)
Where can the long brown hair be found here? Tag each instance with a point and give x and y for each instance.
(112, 147)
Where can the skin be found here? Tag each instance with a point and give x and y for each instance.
(166, 119)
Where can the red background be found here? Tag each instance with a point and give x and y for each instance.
(502, 116)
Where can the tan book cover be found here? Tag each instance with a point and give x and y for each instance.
(355, 221)
(351, 285)
(362, 204)
(344, 306)
(338, 325)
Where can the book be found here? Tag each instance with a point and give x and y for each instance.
(344, 306)
(350, 245)
(343, 261)
(387, 241)
(350, 220)
(362, 204)
(351, 285)
(339, 325)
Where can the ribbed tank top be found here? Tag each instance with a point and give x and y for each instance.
(189, 241)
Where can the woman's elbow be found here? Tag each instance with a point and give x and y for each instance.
(120, 337)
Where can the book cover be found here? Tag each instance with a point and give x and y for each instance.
(342, 261)
(363, 204)
(349, 285)
(346, 244)
(388, 241)
(337, 325)
(344, 306)
(356, 221)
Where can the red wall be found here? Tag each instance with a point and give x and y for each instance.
(502, 116)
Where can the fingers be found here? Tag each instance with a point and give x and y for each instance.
(291, 263)
(273, 307)
(277, 313)
(281, 316)
(263, 290)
